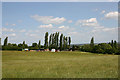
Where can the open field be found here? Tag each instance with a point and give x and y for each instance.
(17, 64)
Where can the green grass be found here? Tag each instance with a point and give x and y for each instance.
(17, 64)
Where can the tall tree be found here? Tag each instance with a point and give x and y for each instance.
(46, 40)
(0, 44)
(64, 42)
(57, 39)
(115, 44)
(69, 41)
(39, 44)
(112, 43)
(92, 42)
(0, 41)
(50, 41)
(23, 44)
(61, 41)
(6, 41)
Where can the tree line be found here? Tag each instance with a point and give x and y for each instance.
(60, 42)
(55, 41)
(104, 48)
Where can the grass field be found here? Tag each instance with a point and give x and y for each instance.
(17, 64)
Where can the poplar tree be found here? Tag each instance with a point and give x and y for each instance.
(39, 44)
(69, 41)
(92, 42)
(46, 40)
(64, 42)
(6, 41)
(115, 44)
(23, 46)
(61, 42)
(112, 43)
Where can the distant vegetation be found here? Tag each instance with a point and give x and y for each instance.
(61, 42)
(53, 42)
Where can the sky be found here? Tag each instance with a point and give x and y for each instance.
(28, 21)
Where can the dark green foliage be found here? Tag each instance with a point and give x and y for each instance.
(92, 42)
(46, 40)
(64, 43)
(34, 45)
(86, 48)
(61, 42)
(73, 48)
(10, 47)
(69, 41)
(112, 44)
(115, 44)
(5, 41)
(39, 44)
(50, 42)
(105, 48)
(0, 44)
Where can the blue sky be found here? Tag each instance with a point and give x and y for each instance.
(81, 20)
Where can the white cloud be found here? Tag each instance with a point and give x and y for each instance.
(104, 29)
(49, 19)
(7, 30)
(110, 29)
(13, 34)
(46, 26)
(23, 30)
(13, 24)
(9, 35)
(103, 12)
(31, 34)
(111, 15)
(63, 27)
(73, 33)
(70, 21)
(92, 22)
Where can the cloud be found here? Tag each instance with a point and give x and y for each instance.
(31, 34)
(63, 27)
(46, 26)
(23, 30)
(104, 29)
(111, 15)
(92, 22)
(48, 19)
(73, 33)
(7, 30)
(103, 12)
(10, 35)
(96, 9)
(110, 29)
(13, 24)
(70, 21)
(13, 34)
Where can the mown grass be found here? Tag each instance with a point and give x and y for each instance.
(17, 64)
